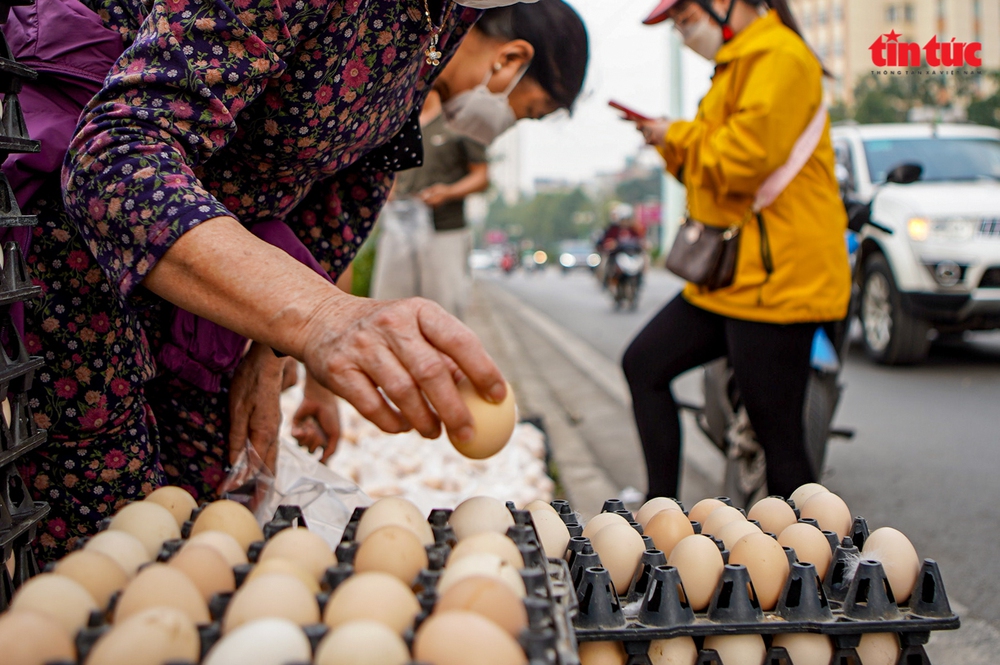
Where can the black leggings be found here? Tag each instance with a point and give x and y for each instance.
(771, 366)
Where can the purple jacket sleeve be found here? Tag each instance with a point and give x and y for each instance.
(128, 178)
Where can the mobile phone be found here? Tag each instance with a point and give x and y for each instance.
(629, 113)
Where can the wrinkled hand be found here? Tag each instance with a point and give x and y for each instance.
(254, 408)
(654, 131)
(435, 195)
(410, 349)
(316, 423)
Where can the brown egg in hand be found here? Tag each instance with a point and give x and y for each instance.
(494, 423)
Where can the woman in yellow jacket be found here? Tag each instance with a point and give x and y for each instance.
(792, 270)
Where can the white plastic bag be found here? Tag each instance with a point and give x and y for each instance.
(326, 498)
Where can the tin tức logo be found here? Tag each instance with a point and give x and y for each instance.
(888, 51)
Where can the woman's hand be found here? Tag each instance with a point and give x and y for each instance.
(316, 423)
(254, 408)
(436, 195)
(408, 351)
(654, 131)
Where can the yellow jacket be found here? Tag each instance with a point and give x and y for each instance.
(767, 87)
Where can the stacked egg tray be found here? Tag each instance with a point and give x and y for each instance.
(549, 640)
(19, 515)
(840, 606)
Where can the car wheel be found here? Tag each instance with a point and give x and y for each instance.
(891, 335)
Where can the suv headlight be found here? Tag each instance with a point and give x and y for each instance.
(942, 228)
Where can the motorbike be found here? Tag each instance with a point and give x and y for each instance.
(626, 265)
(723, 417)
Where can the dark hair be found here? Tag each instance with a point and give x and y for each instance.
(784, 12)
(559, 37)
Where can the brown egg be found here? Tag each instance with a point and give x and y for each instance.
(302, 546)
(552, 533)
(620, 548)
(806, 648)
(96, 572)
(271, 596)
(699, 563)
(394, 550)
(376, 596)
(488, 543)
(898, 557)
(738, 649)
(152, 637)
(150, 523)
(61, 598)
(602, 653)
(159, 585)
(494, 423)
(460, 638)
(362, 642)
(803, 492)
(28, 637)
(229, 517)
(735, 530)
(667, 528)
(767, 564)
(773, 514)
(204, 566)
(222, 543)
(125, 549)
(600, 521)
(480, 514)
(538, 504)
(810, 546)
(288, 568)
(830, 511)
(489, 597)
(177, 500)
(481, 564)
(719, 518)
(879, 649)
(701, 510)
(676, 651)
(652, 507)
(398, 511)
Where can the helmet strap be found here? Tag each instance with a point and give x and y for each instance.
(727, 31)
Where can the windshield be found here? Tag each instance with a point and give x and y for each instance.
(941, 158)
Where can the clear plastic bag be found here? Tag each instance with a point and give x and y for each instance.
(326, 498)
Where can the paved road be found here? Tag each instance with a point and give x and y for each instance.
(926, 457)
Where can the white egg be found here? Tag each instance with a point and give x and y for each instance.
(263, 642)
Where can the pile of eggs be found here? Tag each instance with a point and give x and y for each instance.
(149, 597)
(693, 543)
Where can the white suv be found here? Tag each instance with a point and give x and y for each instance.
(940, 268)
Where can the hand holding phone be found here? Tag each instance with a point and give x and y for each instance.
(634, 116)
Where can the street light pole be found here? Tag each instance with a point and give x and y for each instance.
(673, 203)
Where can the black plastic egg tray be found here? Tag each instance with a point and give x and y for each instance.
(841, 607)
(19, 515)
(549, 640)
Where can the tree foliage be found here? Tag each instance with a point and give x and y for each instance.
(896, 97)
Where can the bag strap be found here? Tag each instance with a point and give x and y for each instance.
(803, 149)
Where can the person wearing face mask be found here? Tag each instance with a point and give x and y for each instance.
(756, 158)
(208, 169)
(424, 245)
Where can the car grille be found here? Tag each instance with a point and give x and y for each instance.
(990, 227)
(991, 279)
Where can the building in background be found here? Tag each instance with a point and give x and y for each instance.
(842, 31)
(505, 165)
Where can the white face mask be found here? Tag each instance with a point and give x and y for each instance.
(703, 37)
(490, 4)
(480, 114)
